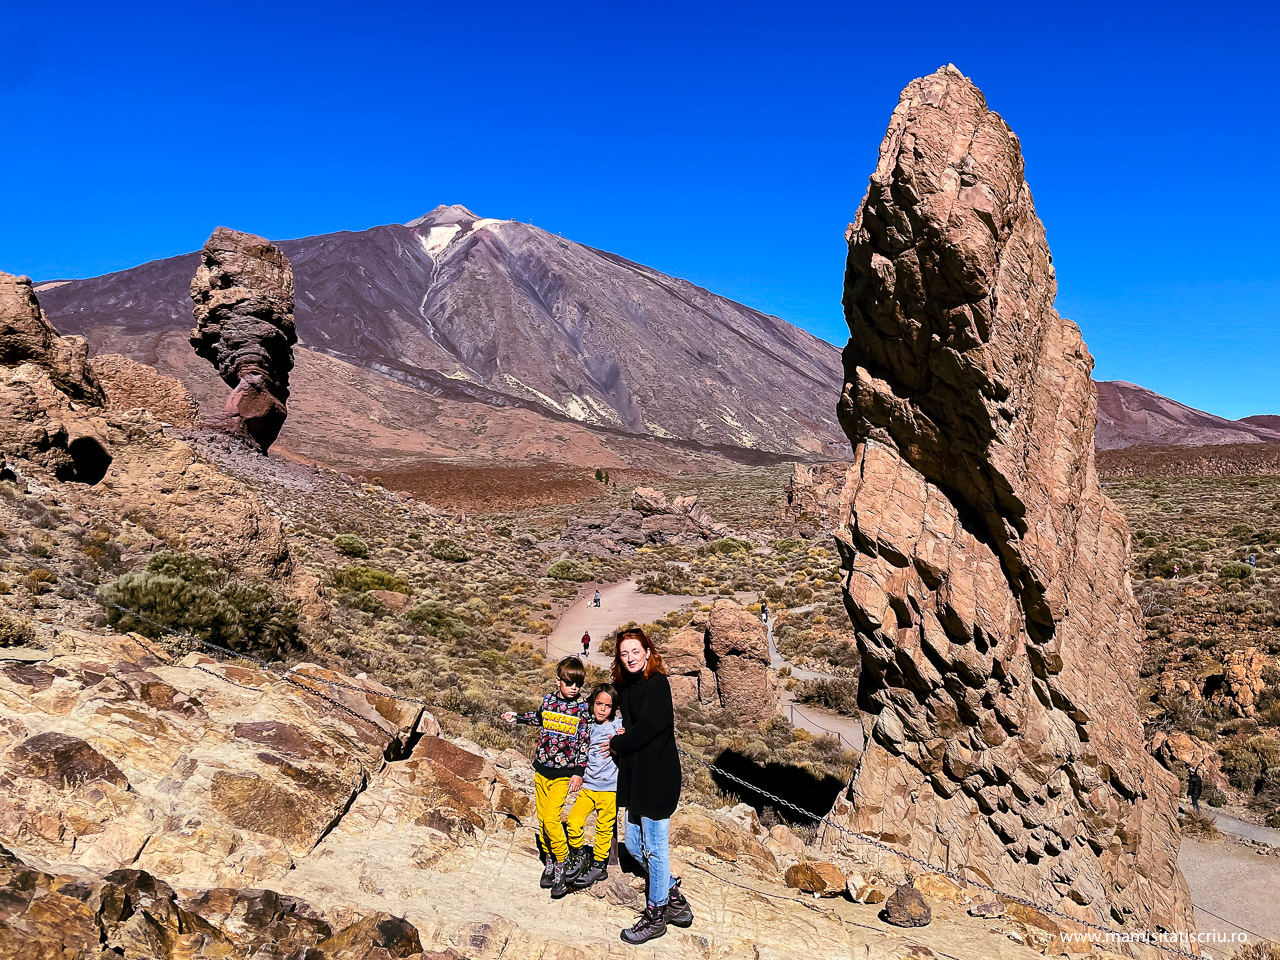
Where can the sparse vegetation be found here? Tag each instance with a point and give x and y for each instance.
(350, 545)
(15, 632)
(567, 569)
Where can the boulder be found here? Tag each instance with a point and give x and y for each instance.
(986, 571)
(824, 879)
(130, 385)
(905, 907)
(243, 295)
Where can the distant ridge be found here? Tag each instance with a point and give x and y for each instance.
(1130, 416)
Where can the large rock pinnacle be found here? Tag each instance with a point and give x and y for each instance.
(986, 572)
(243, 293)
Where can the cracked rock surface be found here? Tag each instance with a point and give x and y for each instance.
(986, 573)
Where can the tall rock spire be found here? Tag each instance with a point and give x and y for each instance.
(986, 572)
(243, 293)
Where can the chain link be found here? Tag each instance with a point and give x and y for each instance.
(290, 676)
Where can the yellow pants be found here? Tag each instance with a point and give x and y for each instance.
(550, 796)
(605, 804)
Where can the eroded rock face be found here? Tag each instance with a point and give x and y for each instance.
(986, 572)
(243, 293)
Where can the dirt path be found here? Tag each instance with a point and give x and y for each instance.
(1234, 890)
(1240, 828)
(621, 602)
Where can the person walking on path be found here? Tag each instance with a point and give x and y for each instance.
(586, 642)
(1195, 787)
(559, 762)
(597, 597)
(648, 779)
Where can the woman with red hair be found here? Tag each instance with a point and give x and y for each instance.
(648, 778)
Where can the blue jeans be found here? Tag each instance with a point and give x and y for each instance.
(647, 842)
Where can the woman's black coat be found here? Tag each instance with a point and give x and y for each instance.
(648, 762)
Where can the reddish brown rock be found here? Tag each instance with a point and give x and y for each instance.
(27, 336)
(243, 293)
(824, 879)
(738, 653)
(986, 572)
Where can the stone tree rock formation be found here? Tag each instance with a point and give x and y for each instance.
(986, 572)
(243, 293)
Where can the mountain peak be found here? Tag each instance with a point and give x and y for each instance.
(443, 215)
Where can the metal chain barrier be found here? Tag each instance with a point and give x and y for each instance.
(290, 677)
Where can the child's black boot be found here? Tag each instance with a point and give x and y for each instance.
(678, 912)
(559, 881)
(596, 871)
(575, 863)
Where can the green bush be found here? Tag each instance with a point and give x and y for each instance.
(1235, 571)
(787, 544)
(730, 545)
(446, 549)
(350, 545)
(438, 620)
(15, 633)
(1248, 763)
(569, 570)
(190, 595)
(361, 579)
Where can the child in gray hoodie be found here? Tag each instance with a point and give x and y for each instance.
(598, 793)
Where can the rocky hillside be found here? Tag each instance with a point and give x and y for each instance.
(469, 309)
(1130, 415)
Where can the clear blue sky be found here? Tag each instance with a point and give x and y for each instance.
(725, 143)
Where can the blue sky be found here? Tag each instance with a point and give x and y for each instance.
(725, 143)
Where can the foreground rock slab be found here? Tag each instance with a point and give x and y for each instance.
(985, 571)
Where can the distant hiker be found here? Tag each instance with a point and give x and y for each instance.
(1175, 571)
(590, 864)
(1195, 787)
(597, 600)
(1253, 561)
(558, 763)
(586, 643)
(764, 611)
(648, 779)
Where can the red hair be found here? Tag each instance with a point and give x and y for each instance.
(654, 664)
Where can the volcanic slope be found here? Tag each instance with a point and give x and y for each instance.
(507, 314)
(1130, 415)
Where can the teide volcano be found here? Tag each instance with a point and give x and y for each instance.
(506, 314)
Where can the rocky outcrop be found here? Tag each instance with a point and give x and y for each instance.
(243, 293)
(129, 385)
(722, 659)
(649, 519)
(44, 378)
(985, 571)
(1192, 752)
(1242, 681)
(813, 492)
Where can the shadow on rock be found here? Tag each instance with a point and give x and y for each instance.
(793, 784)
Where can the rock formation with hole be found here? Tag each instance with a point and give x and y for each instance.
(986, 572)
(243, 293)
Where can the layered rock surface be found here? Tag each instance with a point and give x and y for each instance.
(243, 295)
(986, 572)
